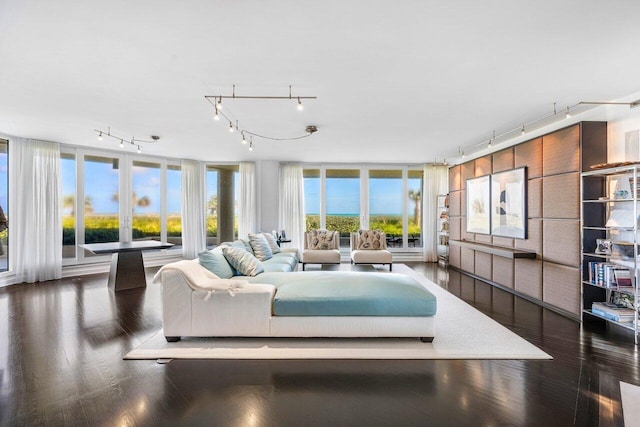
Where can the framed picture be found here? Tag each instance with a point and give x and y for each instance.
(509, 203)
(603, 246)
(478, 205)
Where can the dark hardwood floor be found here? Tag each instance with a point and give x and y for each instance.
(62, 343)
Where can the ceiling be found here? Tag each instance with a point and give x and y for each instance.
(397, 82)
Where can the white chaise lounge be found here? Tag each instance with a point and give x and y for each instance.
(196, 303)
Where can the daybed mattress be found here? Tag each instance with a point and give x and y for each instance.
(342, 293)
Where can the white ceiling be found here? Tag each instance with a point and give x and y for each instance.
(401, 82)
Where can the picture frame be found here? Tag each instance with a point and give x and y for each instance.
(603, 246)
(478, 205)
(509, 203)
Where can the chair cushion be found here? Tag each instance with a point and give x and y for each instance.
(371, 240)
(321, 256)
(260, 246)
(243, 261)
(320, 239)
(382, 256)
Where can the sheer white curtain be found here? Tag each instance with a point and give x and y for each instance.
(35, 220)
(247, 209)
(292, 203)
(193, 209)
(435, 182)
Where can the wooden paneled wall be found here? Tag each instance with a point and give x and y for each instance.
(554, 162)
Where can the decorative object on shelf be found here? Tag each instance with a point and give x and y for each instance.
(135, 142)
(603, 246)
(442, 241)
(216, 101)
(478, 205)
(509, 203)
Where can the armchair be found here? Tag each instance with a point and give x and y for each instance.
(321, 247)
(370, 247)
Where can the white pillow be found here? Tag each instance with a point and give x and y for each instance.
(260, 246)
(243, 261)
(273, 244)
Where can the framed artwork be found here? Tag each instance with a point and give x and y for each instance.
(509, 203)
(478, 205)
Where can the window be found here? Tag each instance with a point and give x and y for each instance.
(68, 173)
(382, 197)
(101, 200)
(386, 204)
(4, 205)
(174, 205)
(222, 204)
(414, 206)
(145, 201)
(343, 202)
(312, 198)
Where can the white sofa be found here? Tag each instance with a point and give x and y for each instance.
(196, 305)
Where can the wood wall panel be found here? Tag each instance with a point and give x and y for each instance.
(467, 259)
(483, 264)
(503, 160)
(534, 198)
(463, 231)
(455, 178)
(463, 203)
(467, 170)
(533, 242)
(561, 196)
(484, 238)
(507, 242)
(561, 241)
(528, 277)
(561, 286)
(529, 154)
(454, 227)
(561, 151)
(454, 257)
(502, 271)
(454, 203)
(483, 165)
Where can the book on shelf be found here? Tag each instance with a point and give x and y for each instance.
(609, 275)
(613, 312)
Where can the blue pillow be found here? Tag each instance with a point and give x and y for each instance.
(216, 263)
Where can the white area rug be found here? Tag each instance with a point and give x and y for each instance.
(462, 332)
(630, 404)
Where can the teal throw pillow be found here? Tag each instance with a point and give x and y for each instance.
(216, 263)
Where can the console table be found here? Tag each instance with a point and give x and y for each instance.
(127, 266)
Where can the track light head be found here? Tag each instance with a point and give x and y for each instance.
(219, 104)
(231, 127)
(217, 115)
(139, 150)
(121, 143)
(251, 146)
(522, 131)
(567, 114)
(100, 136)
(300, 106)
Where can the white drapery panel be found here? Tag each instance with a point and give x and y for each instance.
(35, 219)
(291, 212)
(193, 209)
(247, 209)
(435, 182)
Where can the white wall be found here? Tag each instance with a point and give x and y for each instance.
(268, 192)
(623, 123)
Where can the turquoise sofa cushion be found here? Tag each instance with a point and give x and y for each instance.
(343, 293)
(271, 267)
(215, 262)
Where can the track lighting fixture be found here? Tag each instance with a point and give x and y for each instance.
(139, 150)
(244, 139)
(251, 146)
(522, 131)
(567, 114)
(134, 141)
(216, 102)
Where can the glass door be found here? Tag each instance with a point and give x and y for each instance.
(343, 204)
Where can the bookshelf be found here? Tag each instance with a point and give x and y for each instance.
(609, 228)
(442, 227)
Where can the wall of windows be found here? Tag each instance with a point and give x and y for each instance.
(377, 197)
(110, 197)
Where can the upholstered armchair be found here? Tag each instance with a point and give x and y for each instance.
(321, 247)
(370, 247)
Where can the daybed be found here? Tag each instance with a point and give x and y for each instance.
(196, 303)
